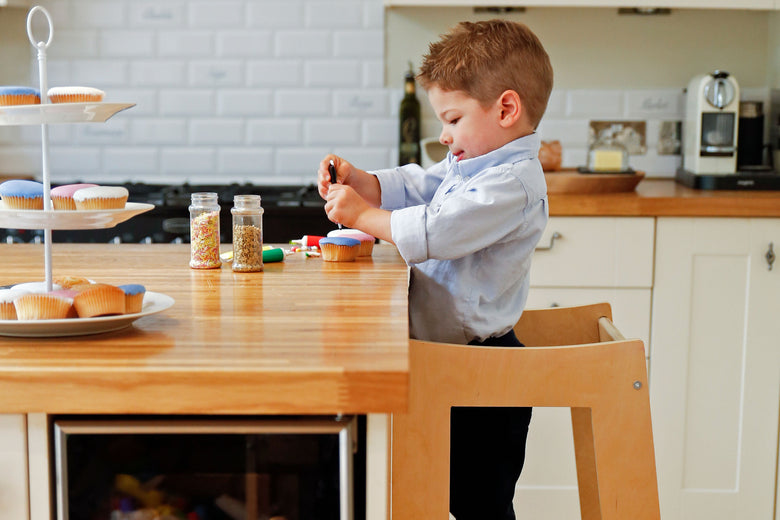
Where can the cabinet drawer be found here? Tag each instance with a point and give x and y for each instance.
(595, 252)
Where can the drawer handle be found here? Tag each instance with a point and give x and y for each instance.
(770, 255)
(552, 242)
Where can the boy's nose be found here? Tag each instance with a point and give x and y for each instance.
(445, 138)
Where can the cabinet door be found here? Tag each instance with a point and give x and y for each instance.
(547, 489)
(13, 467)
(715, 378)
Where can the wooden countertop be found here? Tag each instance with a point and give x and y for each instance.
(302, 337)
(666, 198)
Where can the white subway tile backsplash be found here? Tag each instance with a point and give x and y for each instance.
(279, 14)
(159, 131)
(331, 131)
(99, 73)
(245, 44)
(244, 102)
(661, 103)
(246, 163)
(275, 132)
(157, 13)
(304, 44)
(306, 102)
(595, 104)
(274, 73)
(131, 163)
(186, 43)
(221, 14)
(332, 73)
(125, 44)
(358, 44)
(361, 102)
(217, 73)
(333, 13)
(159, 73)
(213, 131)
(260, 91)
(183, 102)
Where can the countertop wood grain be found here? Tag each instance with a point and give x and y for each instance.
(302, 337)
(666, 198)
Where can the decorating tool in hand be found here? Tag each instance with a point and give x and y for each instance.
(333, 177)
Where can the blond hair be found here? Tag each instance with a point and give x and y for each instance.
(484, 59)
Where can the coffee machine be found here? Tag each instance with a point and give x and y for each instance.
(711, 124)
(711, 132)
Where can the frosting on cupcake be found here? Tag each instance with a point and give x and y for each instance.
(133, 288)
(60, 94)
(21, 188)
(100, 192)
(67, 190)
(340, 241)
(19, 91)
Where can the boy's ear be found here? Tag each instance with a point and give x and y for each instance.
(511, 108)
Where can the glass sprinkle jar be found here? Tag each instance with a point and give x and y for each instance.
(247, 233)
(204, 231)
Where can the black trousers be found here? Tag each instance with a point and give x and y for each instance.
(487, 451)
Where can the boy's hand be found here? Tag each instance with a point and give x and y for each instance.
(344, 205)
(343, 172)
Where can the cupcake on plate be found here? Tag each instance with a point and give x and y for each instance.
(22, 194)
(75, 95)
(134, 297)
(10, 96)
(100, 197)
(366, 240)
(42, 306)
(98, 299)
(339, 249)
(62, 196)
(7, 308)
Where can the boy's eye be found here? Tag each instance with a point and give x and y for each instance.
(453, 121)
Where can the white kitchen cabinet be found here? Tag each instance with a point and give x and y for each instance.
(715, 378)
(678, 4)
(590, 260)
(14, 501)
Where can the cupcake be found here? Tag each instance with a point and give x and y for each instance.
(100, 197)
(19, 96)
(68, 294)
(70, 281)
(62, 196)
(98, 299)
(21, 194)
(42, 306)
(366, 240)
(339, 249)
(75, 95)
(7, 308)
(134, 297)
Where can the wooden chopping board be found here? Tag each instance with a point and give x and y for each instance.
(571, 181)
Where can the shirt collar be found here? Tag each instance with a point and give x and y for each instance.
(523, 148)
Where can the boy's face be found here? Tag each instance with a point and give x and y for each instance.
(468, 129)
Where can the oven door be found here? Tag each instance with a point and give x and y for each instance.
(125, 469)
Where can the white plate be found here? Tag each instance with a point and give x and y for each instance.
(60, 113)
(153, 303)
(69, 219)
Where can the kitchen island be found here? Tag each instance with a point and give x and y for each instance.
(304, 336)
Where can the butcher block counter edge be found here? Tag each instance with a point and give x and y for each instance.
(302, 337)
(666, 198)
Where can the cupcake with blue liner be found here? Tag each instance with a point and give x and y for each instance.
(134, 297)
(22, 194)
(339, 249)
(10, 96)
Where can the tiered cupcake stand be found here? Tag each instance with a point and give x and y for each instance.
(48, 219)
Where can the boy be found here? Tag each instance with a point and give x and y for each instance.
(467, 227)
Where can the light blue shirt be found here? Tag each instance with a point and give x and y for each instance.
(468, 230)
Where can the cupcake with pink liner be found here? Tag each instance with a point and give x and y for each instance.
(366, 240)
(62, 196)
(100, 197)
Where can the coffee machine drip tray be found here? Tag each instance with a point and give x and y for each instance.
(743, 180)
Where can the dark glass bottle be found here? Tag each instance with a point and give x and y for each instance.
(409, 115)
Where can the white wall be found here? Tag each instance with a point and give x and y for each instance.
(259, 90)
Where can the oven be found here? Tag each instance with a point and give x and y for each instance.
(289, 213)
(207, 468)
